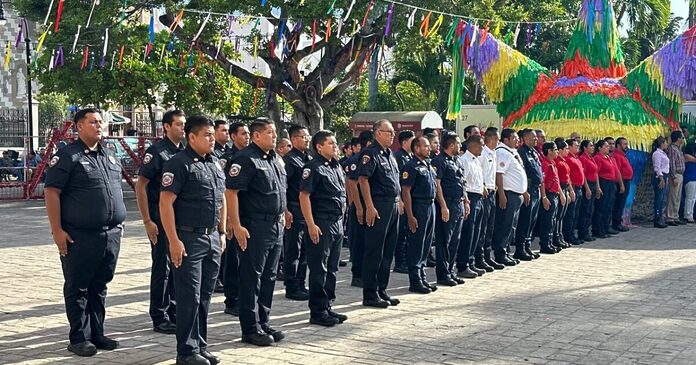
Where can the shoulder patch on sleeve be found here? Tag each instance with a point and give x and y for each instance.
(54, 161)
(353, 167)
(404, 175)
(235, 169)
(167, 179)
(305, 173)
(147, 158)
(365, 159)
(222, 162)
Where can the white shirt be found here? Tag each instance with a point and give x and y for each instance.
(473, 173)
(487, 160)
(510, 165)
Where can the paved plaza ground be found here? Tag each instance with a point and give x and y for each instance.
(630, 299)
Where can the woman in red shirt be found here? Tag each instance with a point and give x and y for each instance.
(577, 183)
(564, 178)
(589, 166)
(550, 198)
(606, 169)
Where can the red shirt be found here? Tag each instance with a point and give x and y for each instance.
(605, 167)
(577, 176)
(550, 176)
(563, 169)
(624, 166)
(590, 167)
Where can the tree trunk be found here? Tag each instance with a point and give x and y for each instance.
(151, 114)
(275, 115)
(373, 82)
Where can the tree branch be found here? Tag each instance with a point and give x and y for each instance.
(332, 96)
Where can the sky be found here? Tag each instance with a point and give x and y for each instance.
(680, 8)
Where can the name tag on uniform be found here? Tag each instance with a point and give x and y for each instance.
(85, 163)
(263, 168)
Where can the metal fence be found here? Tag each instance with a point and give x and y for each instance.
(13, 127)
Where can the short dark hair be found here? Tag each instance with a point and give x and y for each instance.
(571, 141)
(467, 129)
(320, 137)
(417, 142)
(355, 141)
(619, 141)
(404, 135)
(429, 130)
(168, 117)
(560, 143)
(295, 129)
(195, 123)
(366, 137)
(218, 123)
(676, 135)
(430, 136)
(259, 125)
(524, 132)
(448, 139)
(474, 139)
(490, 133)
(599, 144)
(507, 133)
(546, 147)
(608, 139)
(234, 127)
(82, 113)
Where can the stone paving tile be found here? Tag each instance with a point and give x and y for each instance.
(630, 299)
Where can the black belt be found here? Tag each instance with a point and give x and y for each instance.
(421, 201)
(564, 185)
(202, 230)
(328, 216)
(475, 195)
(99, 229)
(264, 217)
(385, 199)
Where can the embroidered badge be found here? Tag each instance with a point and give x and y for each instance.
(305, 173)
(222, 162)
(365, 159)
(347, 168)
(235, 169)
(53, 161)
(167, 179)
(353, 167)
(147, 158)
(112, 160)
(404, 175)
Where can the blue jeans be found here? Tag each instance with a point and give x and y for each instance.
(659, 198)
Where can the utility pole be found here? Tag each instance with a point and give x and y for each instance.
(30, 100)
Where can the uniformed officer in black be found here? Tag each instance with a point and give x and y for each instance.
(379, 185)
(451, 209)
(193, 210)
(222, 137)
(418, 191)
(147, 192)
(529, 212)
(84, 203)
(323, 198)
(356, 209)
(402, 156)
(295, 261)
(239, 133)
(256, 187)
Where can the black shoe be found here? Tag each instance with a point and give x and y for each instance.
(377, 303)
(233, 310)
(466, 273)
(430, 262)
(601, 235)
(84, 349)
(587, 238)
(447, 282)
(547, 250)
(517, 261)
(342, 263)
(522, 255)
(494, 264)
(475, 269)
(356, 282)
(430, 286)
(392, 301)
(258, 339)
(219, 288)
(622, 229)
(195, 359)
(681, 222)
(341, 317)
(672, 223)
(325, 320)
(297, 295)
(214, 360)
(482, 265)
(168, 328)
(401, 269)
(660, 225)
(457, 280)
(556, 247)
(505, 261)
(280, 275)
(612, 231)
(419, 288)
(529, 252)
(104, 343)
(277, 335)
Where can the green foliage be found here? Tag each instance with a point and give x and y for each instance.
(52, 106)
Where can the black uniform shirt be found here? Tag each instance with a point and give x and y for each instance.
(379, 166)
(199, 184)
(449, 171)
(402, 157)
(155, 157)
(325, 181)
(91, 196)
(420, 176)
(220, 149)
(261, 178)
(532, 166)
(294, 162)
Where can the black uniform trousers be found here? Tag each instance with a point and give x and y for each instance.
(560, 214)
(295, 260)
(447, 235)
(380, 242)
(504, 218)
(322, 259)
(586, 212)
(604, 207)
(356, 240)
(401, 251)
(419, 243)
(231, 273)
(162, 292)
(572, 214)
(547, 220)
(483, 249)
(471, 230)
(195, 282)
(620, 204)
(258, 265)
(87, 268)
(527, 220)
